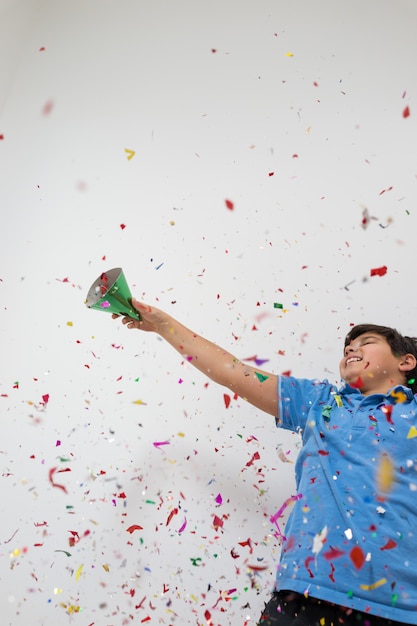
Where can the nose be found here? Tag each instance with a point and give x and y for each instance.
(352, 347)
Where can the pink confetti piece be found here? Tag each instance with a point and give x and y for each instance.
(274, 518)
(219, 499)
(158, 444)
(183, 527)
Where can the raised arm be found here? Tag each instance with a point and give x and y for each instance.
(252, 384)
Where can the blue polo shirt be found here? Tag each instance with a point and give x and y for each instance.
(351, 537)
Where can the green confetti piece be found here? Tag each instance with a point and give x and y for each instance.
(261, 377)
(278, 305)
(64, 551)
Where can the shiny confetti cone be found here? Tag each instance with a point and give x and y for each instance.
(111, 293)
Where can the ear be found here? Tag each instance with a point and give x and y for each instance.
(407, 363)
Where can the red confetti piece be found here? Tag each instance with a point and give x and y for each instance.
(1, 137)
(333, 553)
(307, 562)
(134, 527)
(387, 410)
(226, 400)
(122, 226)
(171, 515)
(217, 522)
(255, 457)
(51, 480)
(229, 204)
(207, 616)
(389, 545)
(357, 557)
(406, 112)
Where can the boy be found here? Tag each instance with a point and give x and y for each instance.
(350, 550)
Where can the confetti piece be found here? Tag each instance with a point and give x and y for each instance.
(406, 112)
(51, 480)
(217, 522)
(64, 551)
(227, 399)
(261, 377)
(385, 474)
(78, 572)
(278, 305)
(158, 444)
(130, 154)
(289, 54)
(375, 585)
(219, 499)
(379, 271)
(183, 527)
(400, 396)
(412, 432)
(255, 457)
(389, 545)
(134, 527)
(122, 226)
(229, 204)
(357, 557)
(274, 518)
(171, 515)
(47, 107)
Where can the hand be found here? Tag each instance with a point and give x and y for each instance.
(151, 318)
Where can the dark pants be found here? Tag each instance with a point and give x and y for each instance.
(287, 608)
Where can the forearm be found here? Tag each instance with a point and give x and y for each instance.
(222, 367)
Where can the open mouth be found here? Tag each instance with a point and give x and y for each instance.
(353, 359)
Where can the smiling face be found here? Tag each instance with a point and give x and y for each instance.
(369, 364)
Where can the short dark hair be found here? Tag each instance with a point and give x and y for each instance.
(398, 343)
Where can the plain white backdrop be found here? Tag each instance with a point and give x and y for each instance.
(230, 157)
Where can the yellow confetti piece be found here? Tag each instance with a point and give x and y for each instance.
(385, 474)
(130, 153)
(139, 402)
(15, 552)
(70, 324)
(106, 568)
(412, 432)
(400, 396)
(338, 400)
(289, 54)
(78, 572)
(375, 585)
(58, 590)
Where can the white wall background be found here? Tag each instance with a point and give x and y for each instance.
(294, 111)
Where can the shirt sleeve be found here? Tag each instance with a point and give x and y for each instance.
(296, 396)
